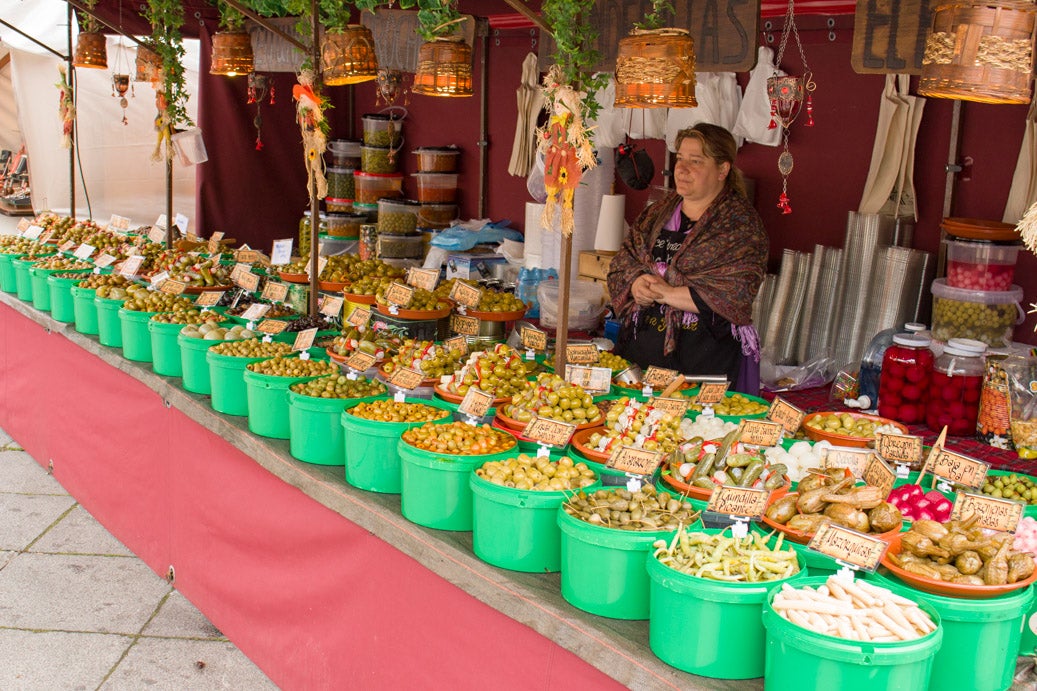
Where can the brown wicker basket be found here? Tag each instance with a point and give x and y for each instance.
(91, 50)
(149, 66)
(348, 56)
(231, 53)
(656, 69)
(444, 69)
(978, 51)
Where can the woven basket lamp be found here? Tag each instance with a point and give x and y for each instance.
(149, 66)
(91, 50)
(980, 51)
(656, 69)
(231, 53)
(348, 56)
(444, 69)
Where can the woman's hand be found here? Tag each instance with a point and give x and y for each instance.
(678, 297)
(644, 289)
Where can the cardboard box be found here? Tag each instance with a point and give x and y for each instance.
(595, 264)
(473, 266)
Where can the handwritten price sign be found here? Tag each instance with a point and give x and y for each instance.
(848, 546)
(960, 469)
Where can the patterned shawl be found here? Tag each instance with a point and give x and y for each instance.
(724, 258)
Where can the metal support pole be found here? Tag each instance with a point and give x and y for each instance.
(71, 72)
(44, 45)
(272, 28)
(314, 202)
(108, 25)
(564, 280)
(953, 168)
(169, 200)
(484, 33)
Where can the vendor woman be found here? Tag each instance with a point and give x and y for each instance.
(684, 281)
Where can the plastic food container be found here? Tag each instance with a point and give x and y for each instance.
(586, 304)
(980, 265)
(436, 187)
(433, 159)
(382, 129)
(954, 393)
(368, 210)
(400, 246)
(345, 225)
(436, 216)
(986, 316)
(340, 183)
(907, 367)
(370, 187)
(397, 217)
(379, 159)
(344, 153)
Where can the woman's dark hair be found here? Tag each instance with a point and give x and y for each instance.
(719, 145)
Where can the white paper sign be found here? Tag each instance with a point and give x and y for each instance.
(181, 221)
(119, 223)
(160, 221)
(33, 232)
(282, 252)
(84, 251)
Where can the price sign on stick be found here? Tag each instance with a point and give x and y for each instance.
(84, 251)
(959, 469)
(247, 281)
(255, 311)
(173, 287)
(33, 232)
(274, 292)
(361, 362)
(304, 339)
(533, 339)
(399, 294)
(281, 253)
(849, 546)
(475, 403)
(899, 448)
(991, 512)
(157, 234)
(332, 306)
(710, 392)
(551, 432)
(181, 221)
(790, 417)
(460, 343)
(677, 407)
(738, 501)
(131, 265)
(246, 256)
(878, 474)
(854, 460)
(359, 317)
(634, 461)
(582, 353)
(760, 432)
(406, 378)
(120, 224)
(660, 377)
(591, 379)
(209, 298)
(67, 245)
(464, 294)
(23, 225)
(104, 260)
(423, 278)
(272, 326)
(466, 326)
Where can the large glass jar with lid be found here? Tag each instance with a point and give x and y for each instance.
(954, 393)
(907, 368)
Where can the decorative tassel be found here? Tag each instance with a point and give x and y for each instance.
(259, 144)
(810, 110)
(272, 102)
(774, 114)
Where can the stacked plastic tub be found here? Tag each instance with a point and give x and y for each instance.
(436, 186)
(378, 176)
(978, 299)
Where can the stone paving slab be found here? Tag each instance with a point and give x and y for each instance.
(20, 474)
(5, 438)
(177, 664)
(79, 593)
(178, 618)
(25, 517)
(80, 533)
(48, 660)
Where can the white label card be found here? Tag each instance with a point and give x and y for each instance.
(281, 253)
(181, 221)
(33, 232)
(84, 251)
(119, 223)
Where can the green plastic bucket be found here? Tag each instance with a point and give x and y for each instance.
(517, 529)
(370, 448)
(808, 661)
(165, 348)
(818, 564)
(109, 326)
(603, 569)
(136, 340)
(268, 403)
(1028, 639)
(62, 307)
(85, 310)
(22, 278)
(40, 290)
(8, 282)
(227, 377)
(434, 490)
(722, 612)
(194, 376)
(980, 637)
(315, 428)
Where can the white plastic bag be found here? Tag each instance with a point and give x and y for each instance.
(754, 115)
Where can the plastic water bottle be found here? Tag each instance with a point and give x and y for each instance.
(526, 288)
(871, 364)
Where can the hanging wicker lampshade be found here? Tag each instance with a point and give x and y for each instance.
(348, 56)
(91, 50)
(444, 68)
(656, 69)
(231, 53)
(980, 51)
(149, 66)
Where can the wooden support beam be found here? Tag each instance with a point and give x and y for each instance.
(520, 7)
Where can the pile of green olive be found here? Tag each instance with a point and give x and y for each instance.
(537, 473)
(1015, 486)
(612, 361)
(422, 300)
(633, 423)
(190, 316)
(644, 510)
(429, 358)
(734, 404)
(212, 332)
(975, 320)
(394, 411)
(550, 396)
(252, 348)
(499, 372)
(140, 299)
(459, 438)
(339, 386)
(292, 367)
(497, 301)
(97, 281)
(58, 262)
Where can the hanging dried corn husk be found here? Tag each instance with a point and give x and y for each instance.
(309, 109)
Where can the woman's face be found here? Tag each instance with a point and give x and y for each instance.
(696, 176)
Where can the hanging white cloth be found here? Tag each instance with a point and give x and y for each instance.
(530, 97)
(1023, 192)
(754, 114)
(889, 189)
(645, 123)
(718, 99)
(610, 125)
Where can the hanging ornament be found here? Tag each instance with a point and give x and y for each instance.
(120, 85)
(66, 106)
(390, 83)
(788, 95)
(258, 87)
